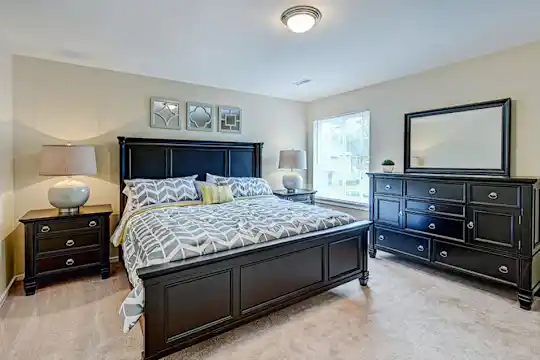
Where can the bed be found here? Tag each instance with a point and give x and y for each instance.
(190, 300)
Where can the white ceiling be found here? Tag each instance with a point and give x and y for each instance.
(242, 45)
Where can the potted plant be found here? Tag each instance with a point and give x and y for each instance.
(387, 166)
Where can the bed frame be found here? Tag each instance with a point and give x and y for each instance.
(192, 300)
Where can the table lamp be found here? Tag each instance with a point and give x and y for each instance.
(292, 159)
(68, 160)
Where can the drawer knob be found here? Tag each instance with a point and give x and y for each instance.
(388, 187)
(45, 228)
(431, 208)
(400, 213)
(443, 254)
(431, 226)
(70, 262)
(493, 196)
(420, 248)
(470, 225)
(92, 223)
(70, 243)
(381, 237)
(432, 191)
(503, 269)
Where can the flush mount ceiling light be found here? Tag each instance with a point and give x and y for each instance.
(300, 19)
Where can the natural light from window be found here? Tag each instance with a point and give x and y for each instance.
(341, 158)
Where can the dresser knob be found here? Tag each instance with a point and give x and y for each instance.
(381, 237)
(420, 248)
(431, 226)
(70, 243)
(493, 196)
(387, 187)
(431, 208)
(470, 225)
(92, 223)
(45, 228)
(432, 191)
(443, 254)
(70, 262)
(503, 269)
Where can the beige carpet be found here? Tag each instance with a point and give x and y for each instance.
(408, 312)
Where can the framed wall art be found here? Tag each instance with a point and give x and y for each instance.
(229, 119)
(165, 114)
(199, 116)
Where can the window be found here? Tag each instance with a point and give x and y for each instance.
(341, 158)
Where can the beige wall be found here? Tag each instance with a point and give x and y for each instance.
(513, 73)
(55, 103)
(6, 171)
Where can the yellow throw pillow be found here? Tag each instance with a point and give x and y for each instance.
(216, 194)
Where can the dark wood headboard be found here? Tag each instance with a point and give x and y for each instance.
(142, 158)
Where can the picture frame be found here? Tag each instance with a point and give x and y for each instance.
(229, 119)
(165, 114)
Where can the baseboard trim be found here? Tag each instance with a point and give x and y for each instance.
(4, 295)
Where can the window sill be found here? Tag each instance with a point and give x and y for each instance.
(342, 203)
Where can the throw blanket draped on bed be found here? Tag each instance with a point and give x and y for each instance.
(161, 233)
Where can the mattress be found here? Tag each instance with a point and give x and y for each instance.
(169, 232)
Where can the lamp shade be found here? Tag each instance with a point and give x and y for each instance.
(292, 159)
(67, 160)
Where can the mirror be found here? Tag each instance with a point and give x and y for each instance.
(469, 139)
(199, 116)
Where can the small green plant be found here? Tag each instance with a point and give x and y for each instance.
(388, 162)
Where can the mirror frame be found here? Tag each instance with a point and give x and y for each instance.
(504, 170)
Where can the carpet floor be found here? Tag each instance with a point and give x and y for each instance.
(409, 311)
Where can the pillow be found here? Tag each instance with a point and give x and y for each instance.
(198, 187)
(242, 186)
(216, 194)
(129, 202)
(149, 192)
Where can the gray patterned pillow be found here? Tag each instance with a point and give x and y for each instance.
(149, 192)
(242, 186)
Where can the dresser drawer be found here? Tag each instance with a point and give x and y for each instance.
(67, 241)
(495, 195)
(388, 186)
(446, 227)
(51, 226)
(434, 207)
(435, 190)
(67, 261)
(410, 245)
(495, 266)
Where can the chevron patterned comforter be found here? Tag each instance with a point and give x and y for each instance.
(162, 233)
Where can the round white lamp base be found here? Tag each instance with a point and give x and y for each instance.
(68, 195)
(292, 181)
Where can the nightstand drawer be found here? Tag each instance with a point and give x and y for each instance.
(51, 226)
(68, 261)
(299, 198)
(67, 241)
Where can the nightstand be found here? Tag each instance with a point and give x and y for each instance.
(302, 195)
(57, 244)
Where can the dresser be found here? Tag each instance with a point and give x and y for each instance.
(63, 245)
(479, 225)
(303, 195)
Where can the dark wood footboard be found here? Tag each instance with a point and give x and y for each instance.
(193, 300)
